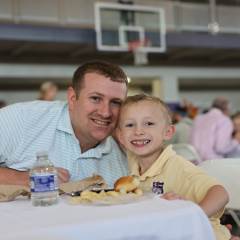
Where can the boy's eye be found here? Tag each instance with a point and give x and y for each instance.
(129, 125)
(149, 123)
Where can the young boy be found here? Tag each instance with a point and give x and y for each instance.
(144, 125)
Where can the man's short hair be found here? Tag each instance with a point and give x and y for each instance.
(112, 71)
(143, 97)
(221, 103)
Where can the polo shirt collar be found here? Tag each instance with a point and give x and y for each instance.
(103, 148)
(64, 123)
(156, 167)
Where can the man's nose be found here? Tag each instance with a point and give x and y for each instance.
(105, 110)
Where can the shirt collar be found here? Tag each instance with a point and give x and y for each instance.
(101, 149)
(64, 123)
(156, 167)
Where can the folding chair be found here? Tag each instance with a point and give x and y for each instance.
(187, 151)
(227, 171)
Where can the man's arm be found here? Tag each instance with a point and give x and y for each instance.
(14, 177)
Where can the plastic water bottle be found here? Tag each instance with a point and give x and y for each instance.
(43, 180)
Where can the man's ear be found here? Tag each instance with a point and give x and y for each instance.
(71, 97)
(170, 130)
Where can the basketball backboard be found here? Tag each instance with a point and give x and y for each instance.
(119, 25)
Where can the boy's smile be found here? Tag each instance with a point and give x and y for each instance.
(140, 143)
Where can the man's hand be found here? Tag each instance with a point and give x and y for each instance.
(172, 196)
(63, 175)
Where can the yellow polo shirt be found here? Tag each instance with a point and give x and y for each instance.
(183, 178)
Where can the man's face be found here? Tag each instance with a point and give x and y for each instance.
(95, 113)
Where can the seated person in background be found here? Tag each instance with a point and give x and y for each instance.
(211, 133)
(182, 127)
(236, 125)
(192, 110)
(236, 135)
(76, 134)
(48, 91)
(143, 135)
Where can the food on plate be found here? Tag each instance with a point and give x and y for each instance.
(126, 184)
(89, 196)
(138, 191)
(80, 185)
(125, 189)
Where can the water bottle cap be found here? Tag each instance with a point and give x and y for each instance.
(42, 153)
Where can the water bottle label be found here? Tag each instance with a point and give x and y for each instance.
(43, 183)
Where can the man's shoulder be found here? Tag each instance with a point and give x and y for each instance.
(39, 108)
(35, 106)
(32, 112)
(42, 105)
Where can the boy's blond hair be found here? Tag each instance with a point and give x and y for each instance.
(143, 97)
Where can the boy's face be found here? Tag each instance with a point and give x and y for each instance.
(143, 128)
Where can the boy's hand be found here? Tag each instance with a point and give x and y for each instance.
(63, 175)
(172, 196)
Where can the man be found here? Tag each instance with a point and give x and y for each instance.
(211, 134)
(75, 134)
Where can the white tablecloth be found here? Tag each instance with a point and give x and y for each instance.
(151, 219)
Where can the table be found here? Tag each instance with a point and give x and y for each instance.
(151, 219)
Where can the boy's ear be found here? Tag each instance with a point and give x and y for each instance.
(170, 130)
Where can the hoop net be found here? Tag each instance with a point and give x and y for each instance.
(140, 57)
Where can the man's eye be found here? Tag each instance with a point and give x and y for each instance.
(95, 99)
(116, 104)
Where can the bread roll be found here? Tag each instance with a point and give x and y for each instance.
(126, 184)
(138, 192)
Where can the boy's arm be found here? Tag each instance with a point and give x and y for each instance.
(215, 200)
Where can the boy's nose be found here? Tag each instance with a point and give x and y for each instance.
(139, 130)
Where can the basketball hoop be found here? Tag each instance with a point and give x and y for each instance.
(136, 47)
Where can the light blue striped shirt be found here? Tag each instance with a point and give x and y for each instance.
(27, 128)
